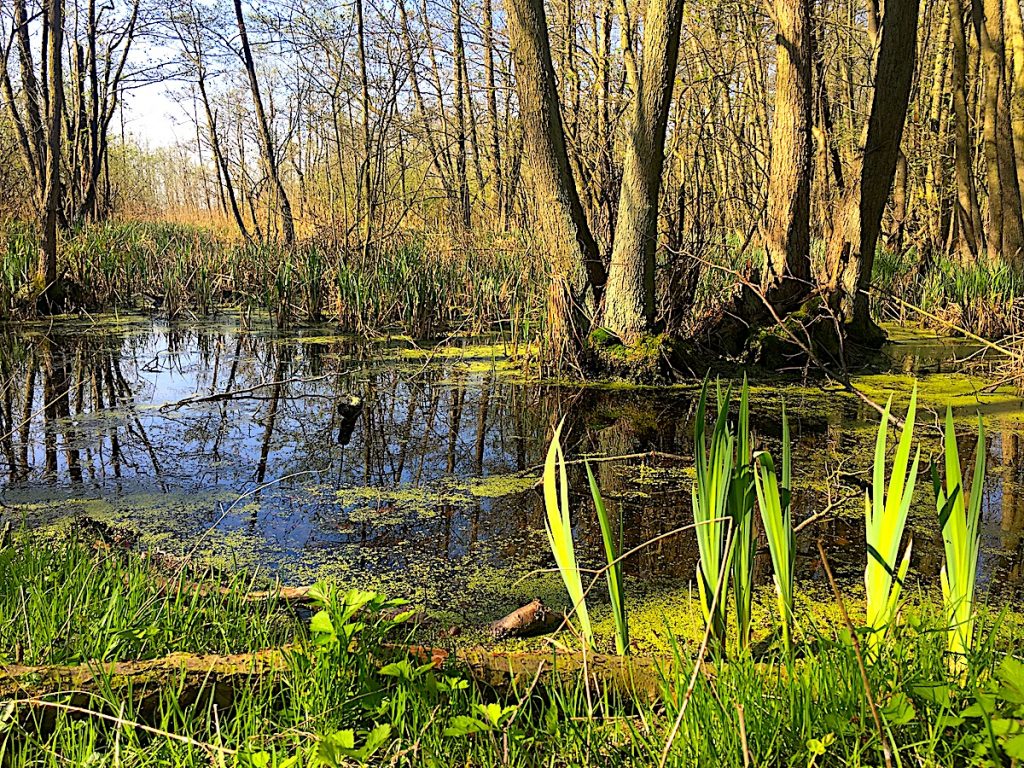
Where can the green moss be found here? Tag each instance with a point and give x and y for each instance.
(642, 361)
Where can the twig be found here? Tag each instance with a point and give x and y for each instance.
(120, 721)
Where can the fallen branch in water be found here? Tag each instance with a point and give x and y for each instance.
(243, 392)
(534, 618)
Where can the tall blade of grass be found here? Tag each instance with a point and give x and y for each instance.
(741, 508)
(558, 524)
(959, 514)
(616, 591)
(776, 512)
(886, 508)
(711, 515)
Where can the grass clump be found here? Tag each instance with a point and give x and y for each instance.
(61, 604)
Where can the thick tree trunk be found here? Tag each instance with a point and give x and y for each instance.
(561, 228)
(1006, 227)
(787, 276)
(1015, 33)
(630, 296)
(851, 252)
(968, 212)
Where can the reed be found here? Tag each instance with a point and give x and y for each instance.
(419, 285)
(711, 514)
(774, 501)
(613, 572)
(959, 511)
(558, 524)
(886, 507)
(741, 510)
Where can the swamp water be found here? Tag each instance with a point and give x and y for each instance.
(244, 447)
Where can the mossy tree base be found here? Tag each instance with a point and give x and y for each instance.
(652, 359)
(748, 331)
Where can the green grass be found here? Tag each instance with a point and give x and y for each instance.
(886, 507)
(558, 524)
(774, 497)
(347, 699)
(959, 511)
(981, 296)
(61, 605)
(711, 514)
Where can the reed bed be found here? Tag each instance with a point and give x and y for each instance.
(983, 297)
(421, 285)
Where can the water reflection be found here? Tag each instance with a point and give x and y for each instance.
(311, 454)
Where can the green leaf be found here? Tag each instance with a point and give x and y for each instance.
(463, 725)
(1005, 726)
(400, 669)
(333, 748)
(375, 739)
(984, 706)
(933, 693)
(321, 624)
(898, 710)
(1014, 747)
(1011, 675)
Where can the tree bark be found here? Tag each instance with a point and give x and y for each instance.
(1006, 227)
(630, 296)
(55, 121)
(968, 212)
(851, 252)
(787, 230)
(561, 228)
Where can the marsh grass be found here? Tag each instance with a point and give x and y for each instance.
(959, 512)
(886, 507)
(421, 285)
(981, 296)
(715, 461)
(774, 499)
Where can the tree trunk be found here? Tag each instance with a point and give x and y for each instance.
(787, 230)
(1015, 33)
(561, 228)
(1006, 227)
(458, 69)
(851, 251)
(263, 125)
(55, 120)
(630, 296)
(492, 108)
(968, 212)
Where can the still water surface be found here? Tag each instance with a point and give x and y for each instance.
(243, 446)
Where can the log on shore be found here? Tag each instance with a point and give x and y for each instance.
(191, 676)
